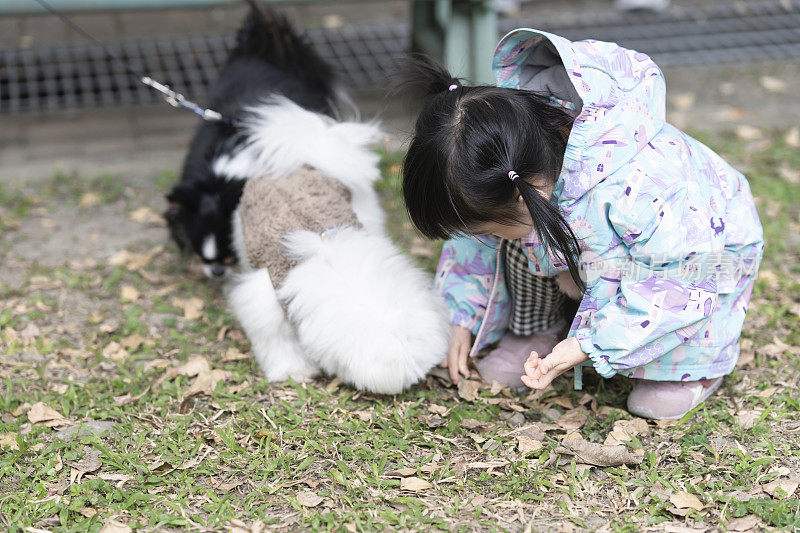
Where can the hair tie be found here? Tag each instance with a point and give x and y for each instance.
(512, 175)
(452, 87)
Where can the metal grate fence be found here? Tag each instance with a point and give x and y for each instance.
(55, 78)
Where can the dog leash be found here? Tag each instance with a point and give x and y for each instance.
(172, 97)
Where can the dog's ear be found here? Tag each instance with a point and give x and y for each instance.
(176, 227)
(183, 195)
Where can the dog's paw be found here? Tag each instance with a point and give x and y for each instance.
(294, 367)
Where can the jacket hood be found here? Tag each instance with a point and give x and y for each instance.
(618, 95)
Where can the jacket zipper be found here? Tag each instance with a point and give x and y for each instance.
(489, 302)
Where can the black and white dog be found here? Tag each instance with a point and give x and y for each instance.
(353, 306)
(270, 58)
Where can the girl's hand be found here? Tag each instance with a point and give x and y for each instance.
(456, 360)
(540, 372)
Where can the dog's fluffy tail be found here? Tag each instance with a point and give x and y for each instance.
(362, 311)
(268, 35)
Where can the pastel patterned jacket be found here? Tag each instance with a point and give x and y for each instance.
(669, 232)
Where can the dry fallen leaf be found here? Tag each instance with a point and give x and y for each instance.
(121, 479)
(133, 260)
(534, 431)
(10, 334)
(563, 401)
(434, 421)
(666, 422)
(438, 409)
(7, 439)
(747, 419)
(145, 215)
(88, 512)
(206, 382)
(745, 523)
(112, 526)
(625, 430)
(23, 407)
(605, 410)
(782, 488)
(471, 423)
(770, 277)
(414, 484)
(468, 389)
(364, 416)
(792, 175)
(499, 388)
(232, 354)
(333, 385)
(30, 332)
(309, 499)
(778, 347)
(573, 419)
(748, 133)
(679, 528)
(41, 412)
(402, 472)
(114, 351)
(132, 342)
(88, 463)
(129, 293)
(684, 500)
(192, 307)
(769, 391)
(195, 365)
(526, 444)
(89, 199)
(592, 453)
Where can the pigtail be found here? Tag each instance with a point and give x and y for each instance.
(552, 229)
(419, 76)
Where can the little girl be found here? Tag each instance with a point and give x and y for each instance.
(566, 181)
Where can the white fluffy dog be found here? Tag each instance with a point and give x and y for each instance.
(354, 306)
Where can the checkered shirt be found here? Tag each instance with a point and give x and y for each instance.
(537, 303)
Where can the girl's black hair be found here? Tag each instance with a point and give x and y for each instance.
(466, 140)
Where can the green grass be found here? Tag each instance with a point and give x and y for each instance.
(248, 451)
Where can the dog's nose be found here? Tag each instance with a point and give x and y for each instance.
(217, 270)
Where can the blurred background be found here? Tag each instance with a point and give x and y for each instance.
(65, 106)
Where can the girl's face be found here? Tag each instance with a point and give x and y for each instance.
(524, 226)
(518, 230)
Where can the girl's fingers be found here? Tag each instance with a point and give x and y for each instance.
(545, 381)
(532, 363)
(538, 383)
(452, 364)
(462, 361)
(541, 377)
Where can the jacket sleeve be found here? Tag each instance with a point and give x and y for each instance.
(464, 278)
(641, 302)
